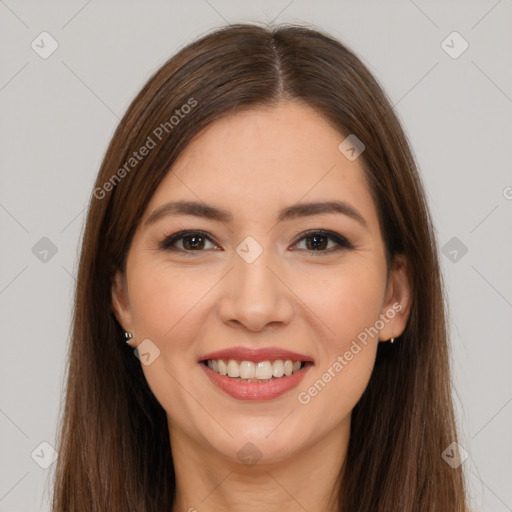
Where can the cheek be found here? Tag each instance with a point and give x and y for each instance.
(348, 301)
(165, 305)
(164, 300)
(349, 304)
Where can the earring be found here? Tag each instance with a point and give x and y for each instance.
(391, 340)
(127, 337)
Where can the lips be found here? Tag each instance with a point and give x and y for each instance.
(251, 389)
(256, 354)
(254, 391)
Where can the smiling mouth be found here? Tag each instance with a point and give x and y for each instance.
(255, 372)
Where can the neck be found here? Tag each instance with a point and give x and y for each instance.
(207, 481)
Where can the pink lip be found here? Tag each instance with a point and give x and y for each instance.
(256, 354)
(254, 390)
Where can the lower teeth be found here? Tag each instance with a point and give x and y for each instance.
(262, 380)
(252, 380)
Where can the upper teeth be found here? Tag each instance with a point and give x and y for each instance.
(248, 370)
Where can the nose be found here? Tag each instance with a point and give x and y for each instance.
(255, 295)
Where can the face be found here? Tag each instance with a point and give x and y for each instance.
(264, 278)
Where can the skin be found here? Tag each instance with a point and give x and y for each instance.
(254, 163)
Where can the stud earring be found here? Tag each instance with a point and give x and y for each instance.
(127, 337)
(391, 340)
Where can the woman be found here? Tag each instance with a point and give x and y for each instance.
(259, 236)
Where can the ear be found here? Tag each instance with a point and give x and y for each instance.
(397, 302)
(120, 303)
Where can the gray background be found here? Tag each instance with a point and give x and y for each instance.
(58, 114)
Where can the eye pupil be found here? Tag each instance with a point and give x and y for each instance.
(196, 242)
(316, 243)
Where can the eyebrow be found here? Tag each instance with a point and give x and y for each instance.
(206, 211)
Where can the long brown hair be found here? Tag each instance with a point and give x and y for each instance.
(114, 451)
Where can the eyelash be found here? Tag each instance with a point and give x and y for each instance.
(343, 243)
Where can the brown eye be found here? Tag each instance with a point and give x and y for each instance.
(187, 241)
(191, 242)
(318, 241)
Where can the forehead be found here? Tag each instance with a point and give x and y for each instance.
(270, 157)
